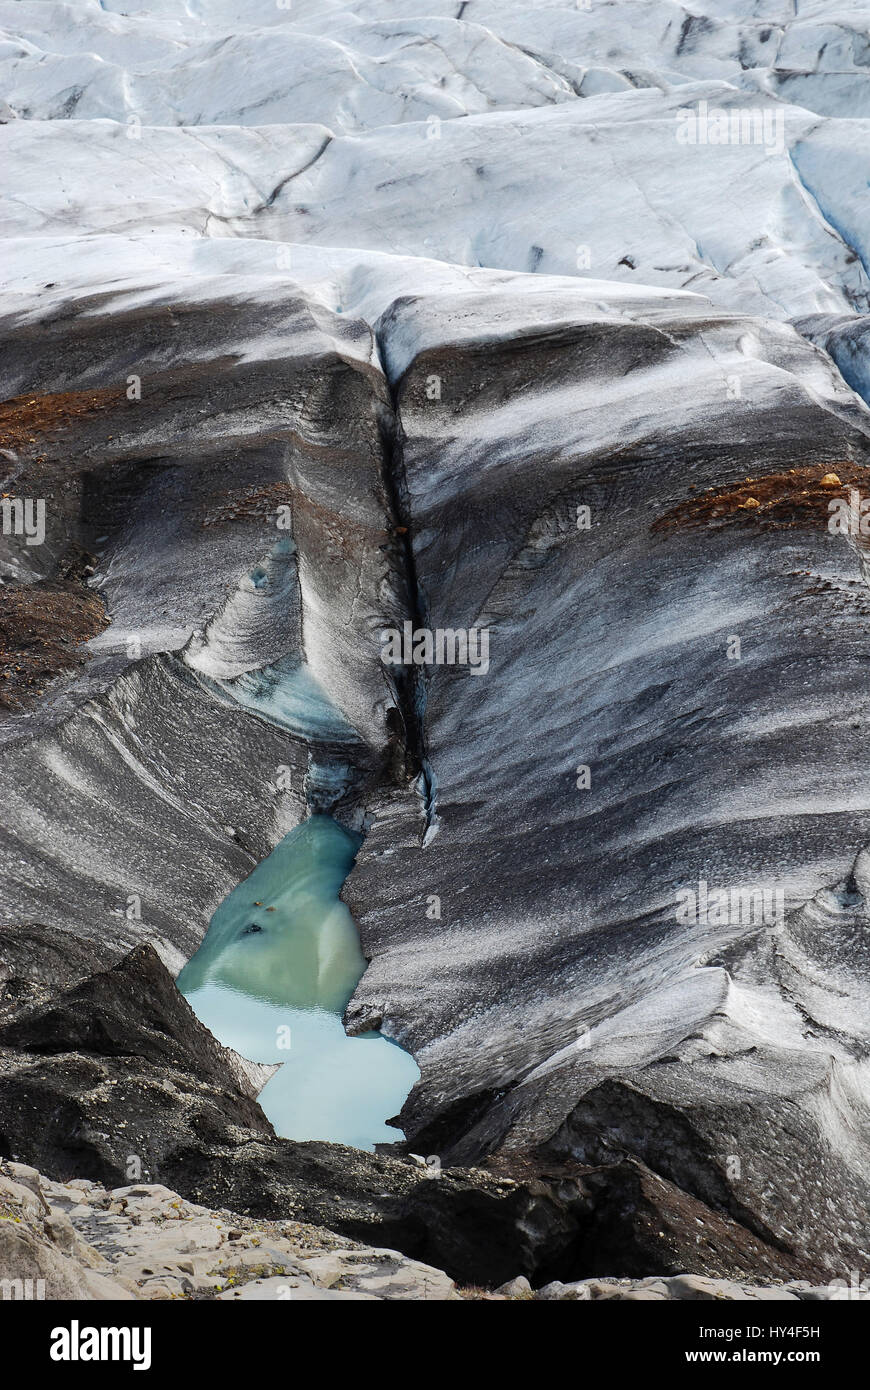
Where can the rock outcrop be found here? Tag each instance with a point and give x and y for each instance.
(81, 1241)
(115, 1078)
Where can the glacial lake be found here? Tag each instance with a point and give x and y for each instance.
(272, 978)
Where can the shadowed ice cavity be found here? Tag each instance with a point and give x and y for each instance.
(272, 978)
(251, 653)
(288, 694)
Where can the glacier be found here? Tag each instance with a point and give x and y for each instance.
(321, 320)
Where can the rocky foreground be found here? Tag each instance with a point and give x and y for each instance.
(79, 1240)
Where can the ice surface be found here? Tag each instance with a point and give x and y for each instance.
(296, 222)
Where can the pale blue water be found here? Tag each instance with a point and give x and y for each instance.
(272, 978)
